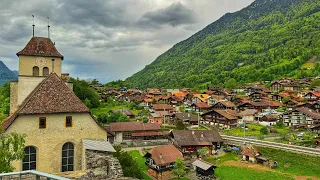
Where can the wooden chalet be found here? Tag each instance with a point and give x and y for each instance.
(200, 106)
(225, 119)
(312, 96)
(191, 142)
(186, 118)
(224, 105)
(161, 159)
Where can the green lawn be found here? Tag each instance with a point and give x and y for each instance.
(283, 130)
(252, 130)
(232, 172)
(141, 163)
(297, 164)
(219, 160)
(97, 111)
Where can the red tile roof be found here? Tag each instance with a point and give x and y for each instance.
(132, 126)
(165, 154)
(40, 46)
(161, 106)
(150, 133)
(52, 95)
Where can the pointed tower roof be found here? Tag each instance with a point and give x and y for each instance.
(40, 46)
(52, 95)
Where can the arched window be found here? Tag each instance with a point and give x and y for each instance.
(45, 71)
(67, 157)
(29, 161)
(35, 71)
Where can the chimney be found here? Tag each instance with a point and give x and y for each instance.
(188, 114)
(202, 134)
(192, 132)
(160, 155)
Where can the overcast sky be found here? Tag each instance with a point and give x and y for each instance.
(107, 39)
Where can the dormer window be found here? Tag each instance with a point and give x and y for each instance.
(42, 122)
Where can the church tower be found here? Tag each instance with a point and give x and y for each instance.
(36, 61)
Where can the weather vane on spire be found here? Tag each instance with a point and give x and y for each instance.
(48, 27)
(33, 26)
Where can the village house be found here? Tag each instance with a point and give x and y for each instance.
(224, 119)
(248, 115)
(269, 120)
(191, 142)
(224, 105)
(155, 118)
(302, 117)
(161, 159)
(312, 96)
(286, 84)
(200, 98)
(186, 118)
(128, 132)
(250, 154)
(258, 95)
(45, 109)
(200, 106)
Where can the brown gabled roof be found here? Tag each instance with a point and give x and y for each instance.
(162, 106)
(227, 113)
(165, 154)
(196, 137)
(52, 95)
(309, 112)
(40, 46)
(227, 103)
(251, 152)
(202, 105)
(132, 126)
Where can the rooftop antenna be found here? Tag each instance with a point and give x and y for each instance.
(48, 27)
(33, 26)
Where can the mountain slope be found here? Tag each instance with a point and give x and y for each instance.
(268, 39)
(6, 74)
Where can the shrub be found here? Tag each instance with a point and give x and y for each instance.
(264, 130)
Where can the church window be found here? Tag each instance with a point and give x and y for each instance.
(29, 161)
(42, 122)
(45, 71)
(35, 71)
(67, 157)
(69, 121)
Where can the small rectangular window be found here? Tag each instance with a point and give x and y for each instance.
(69, 121)
(42, 122)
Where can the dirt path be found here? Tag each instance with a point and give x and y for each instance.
(264, 168)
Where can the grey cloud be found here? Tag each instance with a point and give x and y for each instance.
(174, 15)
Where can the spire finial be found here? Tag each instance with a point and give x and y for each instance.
(33, 26)
(48, 27)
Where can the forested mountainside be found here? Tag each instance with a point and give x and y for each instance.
(267, 40)
(6, 74)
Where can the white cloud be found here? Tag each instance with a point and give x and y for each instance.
(107, 39)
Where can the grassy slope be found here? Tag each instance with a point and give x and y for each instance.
(231, 173)
(97, 111)
(293, 163)
(141, 163)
